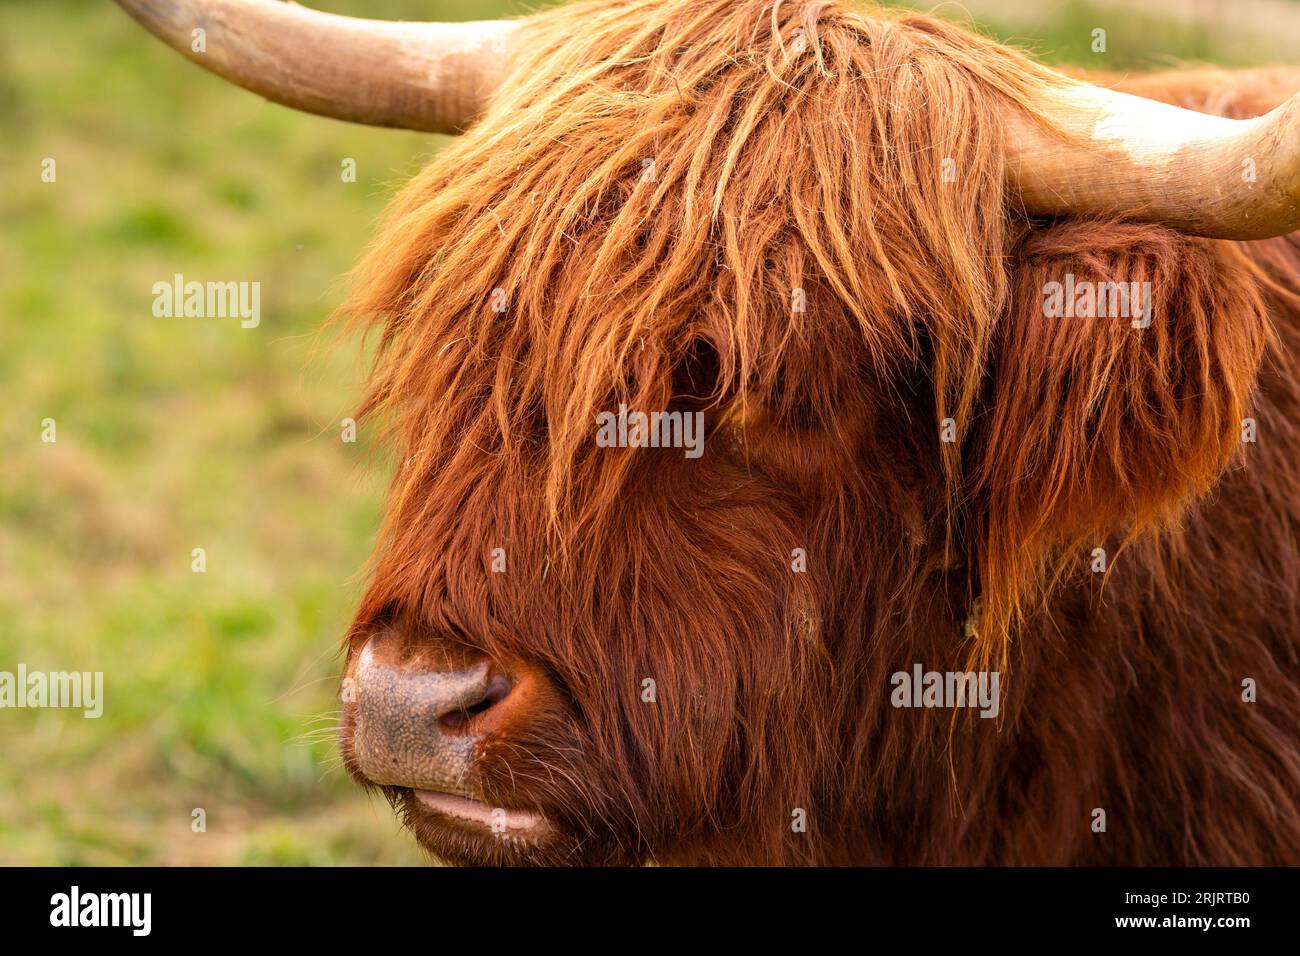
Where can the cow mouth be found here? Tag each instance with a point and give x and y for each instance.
(468, 831)
(484, 819)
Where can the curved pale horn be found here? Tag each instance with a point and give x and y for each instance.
(1122, 155)
(426, 76)
(1136, 158)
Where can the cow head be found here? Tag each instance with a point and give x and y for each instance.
(814, 244)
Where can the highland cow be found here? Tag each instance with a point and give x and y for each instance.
(829, 231)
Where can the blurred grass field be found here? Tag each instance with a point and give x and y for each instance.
(175, 434)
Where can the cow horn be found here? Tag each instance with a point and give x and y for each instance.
(1093, 151)
(1127, 156)
(426, 76)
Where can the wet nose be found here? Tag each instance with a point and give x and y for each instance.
(417, 725)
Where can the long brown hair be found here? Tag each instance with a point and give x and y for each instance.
(792, 215)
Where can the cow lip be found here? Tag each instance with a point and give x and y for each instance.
(493, 821)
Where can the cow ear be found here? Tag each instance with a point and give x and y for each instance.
(1092, 424)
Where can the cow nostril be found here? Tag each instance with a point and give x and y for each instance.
(497, 689)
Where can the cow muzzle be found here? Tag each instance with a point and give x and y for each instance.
(426, 720)
(419, 717)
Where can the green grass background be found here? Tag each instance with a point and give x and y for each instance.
(174, 434)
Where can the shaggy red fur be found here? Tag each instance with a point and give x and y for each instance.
(801, 146)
